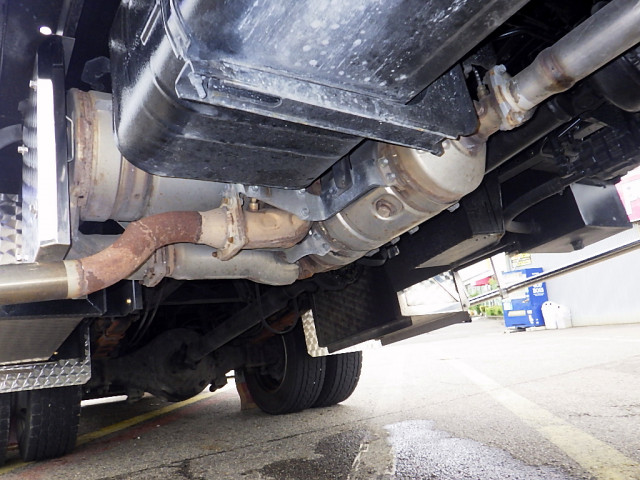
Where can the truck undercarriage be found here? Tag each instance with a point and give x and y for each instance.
(192, 188)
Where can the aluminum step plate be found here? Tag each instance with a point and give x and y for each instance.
(36, 376)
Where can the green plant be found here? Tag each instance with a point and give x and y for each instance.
(493, 311)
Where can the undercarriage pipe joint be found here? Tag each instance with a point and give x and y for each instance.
(604, 36)
(21, 283)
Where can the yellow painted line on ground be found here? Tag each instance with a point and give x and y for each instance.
(117, 427)
(597, 457)
(14, 466)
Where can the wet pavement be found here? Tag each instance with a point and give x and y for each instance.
(466, 402)
(334, 458)
(423, 452)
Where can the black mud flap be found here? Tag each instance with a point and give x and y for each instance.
(366, 309)
(369, 309)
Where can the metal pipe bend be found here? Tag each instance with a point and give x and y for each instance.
(21, 283)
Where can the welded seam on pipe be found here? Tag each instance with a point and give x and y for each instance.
(136, 245)
(610, 31)
(143, 237)
(38, 282)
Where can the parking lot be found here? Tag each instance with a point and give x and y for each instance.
(471, 401)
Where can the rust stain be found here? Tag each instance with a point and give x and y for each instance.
(84, 143)
(550, 68)
(113, 332)
(310, 265)
(282, 324)
(142, 238)
(135, 246)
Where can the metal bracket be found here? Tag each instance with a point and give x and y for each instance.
(157, 269)
(503, 293)
(462, 292)
(239, 87)
(314, 244)
(367, 172)
(236, 227)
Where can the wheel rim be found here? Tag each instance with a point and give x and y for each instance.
(272, 380)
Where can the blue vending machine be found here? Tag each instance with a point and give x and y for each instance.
(525, 310)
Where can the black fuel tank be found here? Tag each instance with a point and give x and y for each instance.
(274, 92)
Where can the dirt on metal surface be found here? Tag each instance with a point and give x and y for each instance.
(265, 229)
(83, 144)
(272, 228)
(135, 246)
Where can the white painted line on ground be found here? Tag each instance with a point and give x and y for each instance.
(597, 457)
(355, 466)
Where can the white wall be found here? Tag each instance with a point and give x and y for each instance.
(605, 293)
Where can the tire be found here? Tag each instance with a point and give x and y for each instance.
(47, 422)
(341, 378)
(295, 382)
(5, 421)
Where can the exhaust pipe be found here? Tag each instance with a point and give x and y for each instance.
(601, 38)
(34, 282)
(608, 33)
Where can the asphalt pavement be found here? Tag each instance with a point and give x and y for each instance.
(471, 401)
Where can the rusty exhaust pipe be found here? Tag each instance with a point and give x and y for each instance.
(34, 282)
